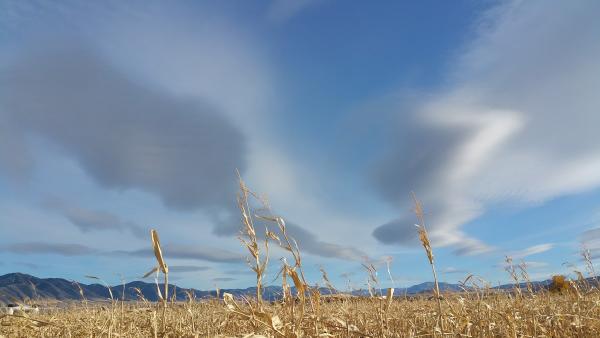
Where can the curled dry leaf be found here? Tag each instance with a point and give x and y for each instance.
(150, 272)
(272, 320)
(229, 301)
(389, 297)
(158, 251)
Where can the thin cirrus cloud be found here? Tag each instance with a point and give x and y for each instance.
(531, 265)
(532, 250)
(70, 250)
(28, 265)
(452, 270)
(88, 220)
(590, 240)
(516, 98)
(310, 243)
(187, 252)
(187, 268)
(280, 11)
(239, 272)
(535, 265)
(63, 249)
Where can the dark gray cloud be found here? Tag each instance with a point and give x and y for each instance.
(418, 160)
(310, 243)
(187, 252)
(307, 241)
(15, 158)
(229, 223)
(125, 135)
(416, 156)
(397, 231)
(88, 220)
(63, 249)
(223, 279)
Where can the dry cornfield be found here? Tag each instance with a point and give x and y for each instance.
(466, 315)
(571, 309)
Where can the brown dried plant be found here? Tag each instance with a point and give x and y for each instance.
(424, 238)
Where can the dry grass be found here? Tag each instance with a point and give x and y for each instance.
(495, 315)
(568, 309)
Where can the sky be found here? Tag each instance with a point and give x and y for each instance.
(117, 117)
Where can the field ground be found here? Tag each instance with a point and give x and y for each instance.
(473, 314)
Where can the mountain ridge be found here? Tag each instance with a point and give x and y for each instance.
(17, 287)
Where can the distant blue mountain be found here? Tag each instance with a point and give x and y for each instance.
(17, 287)
(429, 286)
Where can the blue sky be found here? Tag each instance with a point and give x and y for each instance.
(117, 117)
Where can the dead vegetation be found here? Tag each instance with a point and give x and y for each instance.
(566, 309)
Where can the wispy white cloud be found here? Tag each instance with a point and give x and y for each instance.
(452, 270)
(516, 123)
(532, 250)
(590, 240)
(533, 265)
(283, 10)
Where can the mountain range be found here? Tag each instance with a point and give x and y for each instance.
(18, 287)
